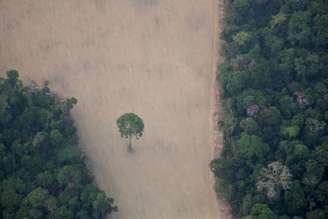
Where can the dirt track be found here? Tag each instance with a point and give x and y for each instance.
(151, 57)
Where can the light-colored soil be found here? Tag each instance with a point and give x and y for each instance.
(152, 57)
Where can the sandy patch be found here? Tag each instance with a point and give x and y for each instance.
(151, 57)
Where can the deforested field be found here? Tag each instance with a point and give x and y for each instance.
(153, 57)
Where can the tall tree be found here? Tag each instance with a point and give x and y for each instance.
(130, 125)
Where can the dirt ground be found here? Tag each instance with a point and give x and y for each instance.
(152, 57)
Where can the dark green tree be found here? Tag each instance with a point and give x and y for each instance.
(42, 168)
(130, 125)
(274, 88)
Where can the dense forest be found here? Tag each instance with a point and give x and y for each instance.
(42, 169)
(274, 80)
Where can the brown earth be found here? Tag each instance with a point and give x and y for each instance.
(153, 57)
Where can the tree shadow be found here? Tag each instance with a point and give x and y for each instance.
(129, 147)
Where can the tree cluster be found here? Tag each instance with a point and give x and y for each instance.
(274, 163)
(42, 169)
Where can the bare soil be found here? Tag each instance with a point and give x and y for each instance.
(153, 57)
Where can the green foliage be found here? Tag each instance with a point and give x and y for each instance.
(275, 94)
(250, 126)
(316, 214)
(291, 131)
(299, 31)
(42, 168)
(251, 147)
(295, 200)
(262, 211)
(37, 198)
(130, 125)
(242, 38)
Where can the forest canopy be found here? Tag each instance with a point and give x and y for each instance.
(42, 168)
(274, 163)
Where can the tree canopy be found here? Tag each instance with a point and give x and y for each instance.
(130, 125)
(275, 97)
(42, 168)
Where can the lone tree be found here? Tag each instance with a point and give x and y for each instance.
(129, 125)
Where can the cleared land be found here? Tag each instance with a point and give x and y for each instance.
(152, 57)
